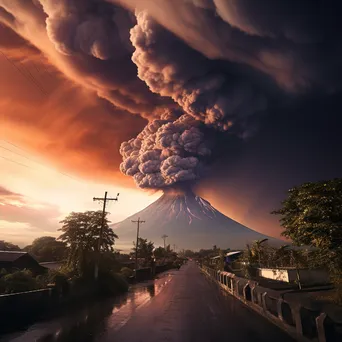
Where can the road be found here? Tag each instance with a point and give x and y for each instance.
(181, 306)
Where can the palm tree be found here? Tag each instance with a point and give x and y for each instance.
(280, 254)
(258, 249)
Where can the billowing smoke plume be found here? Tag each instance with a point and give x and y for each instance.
(172, 69)
(165, 152)
(169, 152)
(202, 65)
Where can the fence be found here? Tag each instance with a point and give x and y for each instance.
(300, 317)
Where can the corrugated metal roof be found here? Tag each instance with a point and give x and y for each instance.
(52, 265)
(233, 253)
(10, 256)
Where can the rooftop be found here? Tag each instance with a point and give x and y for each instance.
(10, 256)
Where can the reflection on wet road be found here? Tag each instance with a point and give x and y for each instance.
(90, 323)
(181, 306)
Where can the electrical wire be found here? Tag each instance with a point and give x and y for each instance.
(32, 79)
(19, 154)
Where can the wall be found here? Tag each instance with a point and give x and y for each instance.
(275, 274)
(25, 306)
(295, 313)
(307, 277)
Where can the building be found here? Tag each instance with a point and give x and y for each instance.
(52, 265)
(12, 261)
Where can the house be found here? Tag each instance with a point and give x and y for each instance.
(52, 265)
(12, 261)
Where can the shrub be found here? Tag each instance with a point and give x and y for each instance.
(126, 272)
(19, 281)
(112, 283)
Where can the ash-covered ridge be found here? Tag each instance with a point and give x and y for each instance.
(189, 221)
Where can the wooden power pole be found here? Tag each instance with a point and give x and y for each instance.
(136, 245)
(164, 238)
(105, 200)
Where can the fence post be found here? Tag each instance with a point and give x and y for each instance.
(253, 293)
(237, 288)
(279, 309)
(244, 292)
(231, 285)
(320, 327)
(263, 301)
(298, 320)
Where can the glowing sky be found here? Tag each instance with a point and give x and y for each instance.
(70, 95)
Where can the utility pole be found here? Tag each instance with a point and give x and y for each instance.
(105, 200)
(174, 247)
(136, 245)
(164, 238)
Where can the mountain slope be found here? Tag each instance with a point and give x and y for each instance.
(189, 221)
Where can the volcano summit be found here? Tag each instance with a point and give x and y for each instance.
(190, 222)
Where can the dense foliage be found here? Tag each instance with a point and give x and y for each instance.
(81, 232)
(19, 281)
(145, 251)
(312, 215)
(47, 248)
(8, 246)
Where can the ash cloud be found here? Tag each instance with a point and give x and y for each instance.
(172, 69)
(165, 153)
(295, 43)
(189, 67)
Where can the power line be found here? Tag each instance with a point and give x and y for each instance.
(136, 246)
(105, 200)
(13, 161)
(19, 154)
(32, 79)
(164, 238)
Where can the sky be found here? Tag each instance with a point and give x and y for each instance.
(242, 101)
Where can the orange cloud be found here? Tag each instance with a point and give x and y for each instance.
(63, 122)
(18, 211)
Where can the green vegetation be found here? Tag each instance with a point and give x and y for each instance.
(126, 272)
(311, 216)
(78, 247)
(145, 252)
(81, 235)
(19, 281)
(8, 246)
(47, 248)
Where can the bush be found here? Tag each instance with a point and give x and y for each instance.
(19, 281)
(112, 283)
(126, 272)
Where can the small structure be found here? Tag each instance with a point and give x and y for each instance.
(291, 275)
(52, 265)
(12, 261)
(230, 262)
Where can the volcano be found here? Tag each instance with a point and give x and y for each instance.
(189, 221)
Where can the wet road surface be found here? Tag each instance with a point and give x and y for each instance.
(180, 306)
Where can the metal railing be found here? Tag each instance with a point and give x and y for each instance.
(304, 320)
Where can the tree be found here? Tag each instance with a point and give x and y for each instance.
(259, 249)
(312, 215)
(145, 250)
(81, 232)
(47, 248)
(8, 246)
(159, 253)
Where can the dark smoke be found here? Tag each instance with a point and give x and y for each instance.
(202, 66)
(169, 152)
(165, 153)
